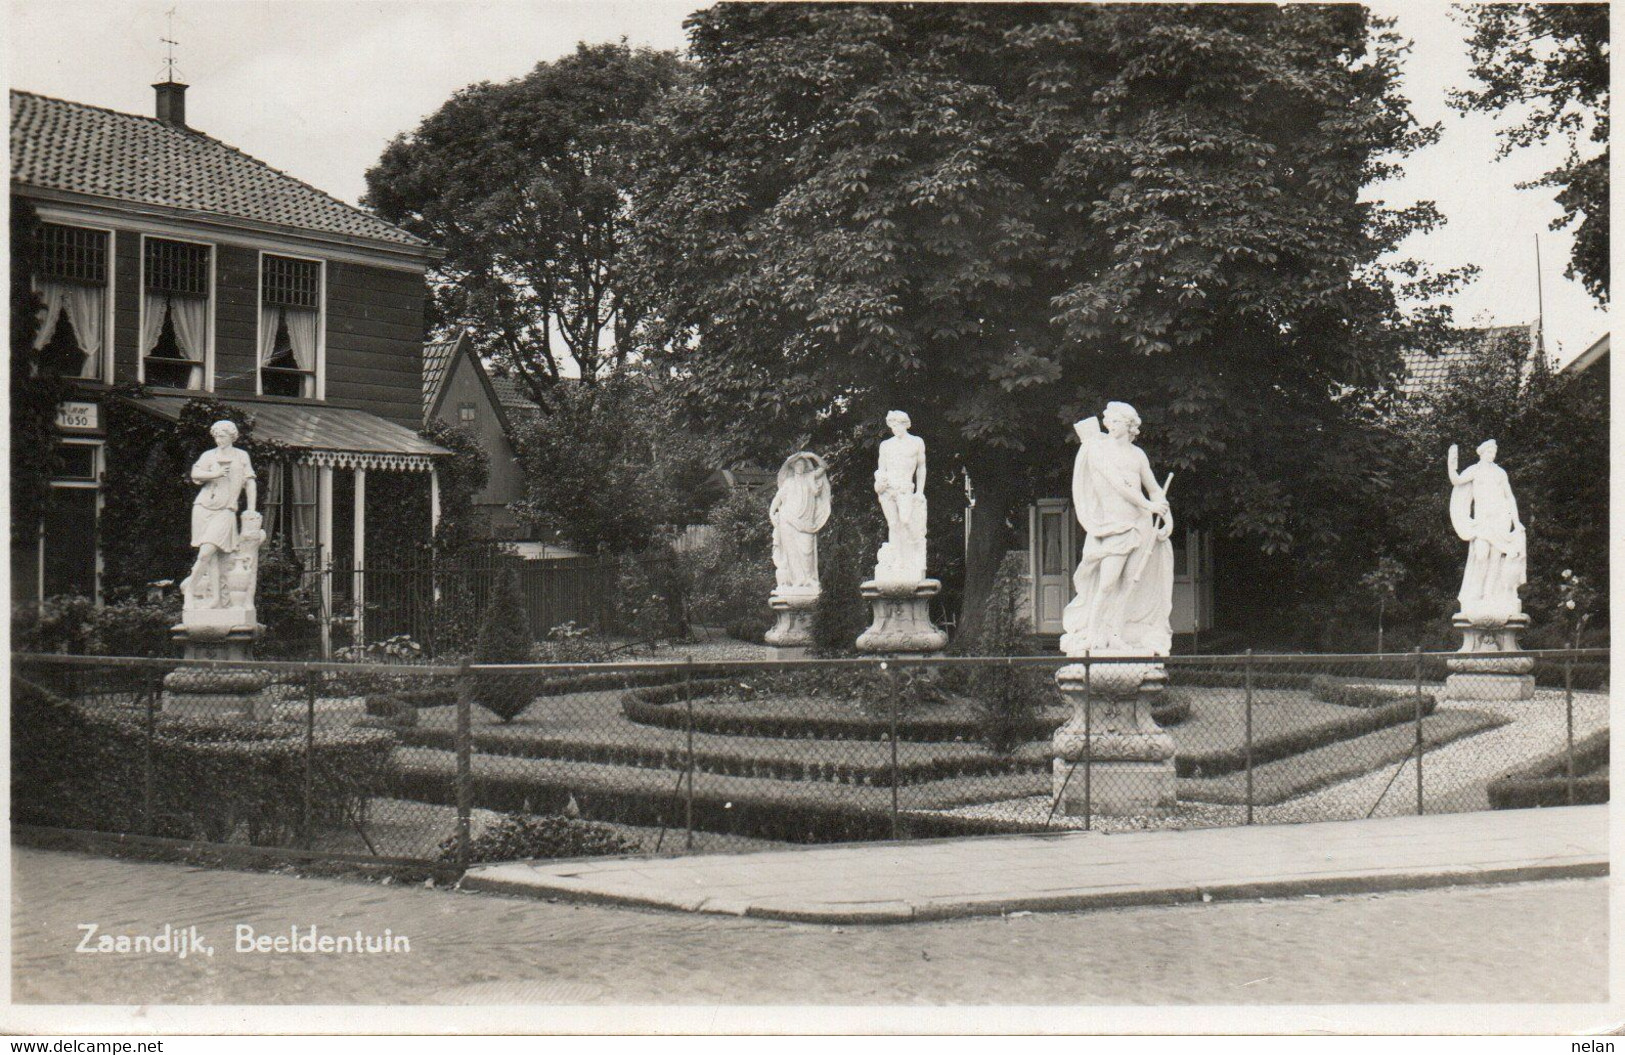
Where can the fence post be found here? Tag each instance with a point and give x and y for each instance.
(895, 833)
(688, 795)
(465, 788)
(1418, 701)
(1088, 745)
(310, 757)
(1568, 706)
(148, 791)
(1247, 742)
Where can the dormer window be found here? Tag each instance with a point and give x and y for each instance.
(72, 281)
(290, 325)
(175, 313)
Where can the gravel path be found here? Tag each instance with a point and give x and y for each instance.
(1454, 777)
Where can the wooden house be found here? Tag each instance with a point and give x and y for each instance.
(170, 259)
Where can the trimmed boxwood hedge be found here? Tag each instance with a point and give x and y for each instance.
(1271, 747)
(213, 781)
(653, 707)
(1544, 782)
(1328, 689)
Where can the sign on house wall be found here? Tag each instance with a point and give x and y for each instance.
(75, 415)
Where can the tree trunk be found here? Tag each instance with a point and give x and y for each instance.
(989, 540)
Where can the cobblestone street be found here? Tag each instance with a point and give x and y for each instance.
(1536, 943)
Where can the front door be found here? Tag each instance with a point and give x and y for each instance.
(1052, 541)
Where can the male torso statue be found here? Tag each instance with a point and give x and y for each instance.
(900, 486)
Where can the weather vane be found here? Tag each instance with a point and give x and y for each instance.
(169, 40)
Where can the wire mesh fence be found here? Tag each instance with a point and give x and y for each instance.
(471, 763)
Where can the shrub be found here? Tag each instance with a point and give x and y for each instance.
(1544, 782)
(131, 627)
(504, 638)
(841, 613)
(212, 781)
(56, 624)
(569, 643)
(288, 603)
(1006, 698)
(1328, 689)
(730, 575)
(649, 600)
(518, 837)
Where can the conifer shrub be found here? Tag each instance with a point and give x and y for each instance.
(504, 638)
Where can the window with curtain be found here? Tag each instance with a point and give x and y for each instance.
(290, 325)
(72, 281)
(289, 506)
(175, 313)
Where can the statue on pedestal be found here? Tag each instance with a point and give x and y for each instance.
(900, 486)
(1485, 515)
(226, 475)
(1125, 580)
(799, 511)
(900, 594)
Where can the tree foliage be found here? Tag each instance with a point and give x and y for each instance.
(524, 184)
(1549, 63)
(998, 217)
(35, 388)
(612, 465)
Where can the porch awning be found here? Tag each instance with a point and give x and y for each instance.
(334, 436)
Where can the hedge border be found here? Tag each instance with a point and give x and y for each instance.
(1544, 782)
(1197, 765)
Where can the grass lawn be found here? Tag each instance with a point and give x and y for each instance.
(1275, 782)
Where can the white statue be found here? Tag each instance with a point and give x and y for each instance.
(799, 511)
(1485, 516)
(900, 485)
(1125, 579)
(226, 475)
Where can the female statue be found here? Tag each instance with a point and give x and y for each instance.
(1485, 515)
(1125, 579)
(799, 511)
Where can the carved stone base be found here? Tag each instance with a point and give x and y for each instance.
(793, 613)
(1477, 672)
(1130, 757)
(211, 692)
(902, 618)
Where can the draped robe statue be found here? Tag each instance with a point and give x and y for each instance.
(1485, 515)
(1125, 580)
(799, 511)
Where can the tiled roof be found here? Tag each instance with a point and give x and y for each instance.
(437, 357)
(1425, 372)
(68, 146)
(513, 397)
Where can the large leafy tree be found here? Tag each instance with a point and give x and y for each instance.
(998, 217)
(524, 184)
(1549, 63)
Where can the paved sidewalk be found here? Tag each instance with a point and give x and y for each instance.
(947, 878)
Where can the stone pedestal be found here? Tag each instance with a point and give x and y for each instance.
(793, 612)
(1477, 673)
(213, 692)
(902, 618)
(1131, 758)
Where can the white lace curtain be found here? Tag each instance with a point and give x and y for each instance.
(86, 308)
(303, 326)
(290, 504)
(190, 316)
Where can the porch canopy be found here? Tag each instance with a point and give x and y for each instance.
(335, 437)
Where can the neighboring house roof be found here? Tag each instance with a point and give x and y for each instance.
(328, 435)
(58, 145)
(1598, 352)
(437, 359)
(512, 396)
(1425, 372)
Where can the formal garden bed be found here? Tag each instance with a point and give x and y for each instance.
(1544, 781)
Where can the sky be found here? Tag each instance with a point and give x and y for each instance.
(317, 88)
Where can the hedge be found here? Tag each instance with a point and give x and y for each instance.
(652, 707)
(788, 812)
(1544, 782)
(1328, 689)
(1271, 747)
(211, 780)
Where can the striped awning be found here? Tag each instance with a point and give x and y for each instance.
(333, 436)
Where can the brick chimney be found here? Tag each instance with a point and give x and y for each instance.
(171, 103)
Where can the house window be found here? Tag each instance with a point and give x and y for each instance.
(72, 281)
(175, 313)
(290, 325)
(290, 508)
(68, 535)
(465, 413)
